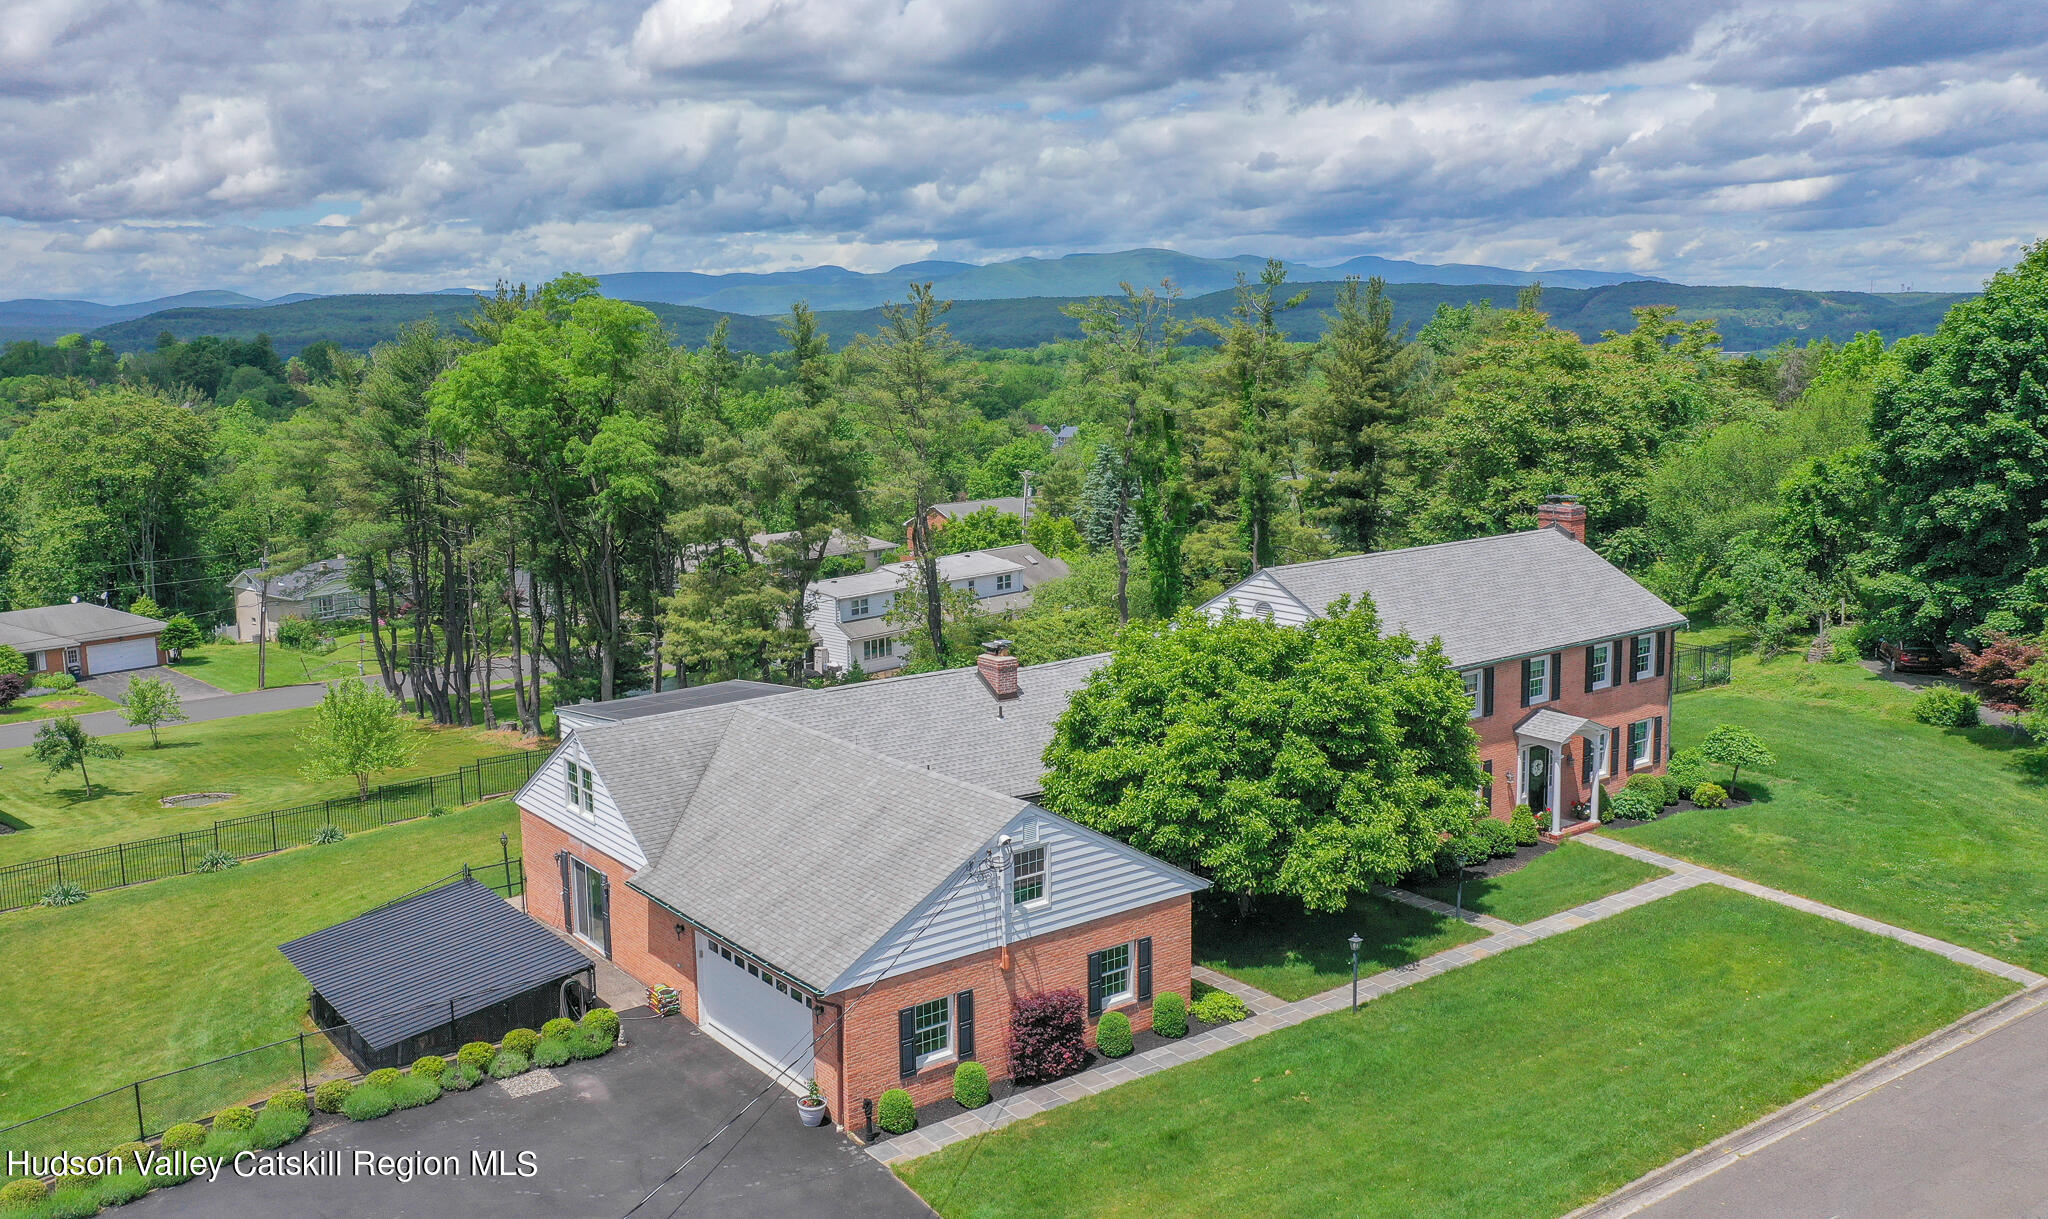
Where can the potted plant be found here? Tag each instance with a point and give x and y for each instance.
(811, 1108)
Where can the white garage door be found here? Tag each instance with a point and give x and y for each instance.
(764, 1020)
(120, 654)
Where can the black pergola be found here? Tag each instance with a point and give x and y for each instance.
(429, 973)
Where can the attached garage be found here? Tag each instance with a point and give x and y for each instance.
(119, 655)
(759, 1016)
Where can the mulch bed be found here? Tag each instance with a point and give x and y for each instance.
(1001, 1089)
(1735, 800)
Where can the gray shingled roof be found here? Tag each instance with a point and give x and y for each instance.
(1038, 566)
(810, 869)
(299, 583)
(650, 766)
(1012, 504)
(1489, 599)
(639, 706)
(58, 626)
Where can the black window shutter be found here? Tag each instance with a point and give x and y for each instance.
(1145, 968)
(1094, 985)
(1486, 788)
(1617, 762)
(1589, 669)
(1487, 706)
(1553, 680)
(906, 1041)
(1528, 671)
(568, 916)
(1635, 649)
(604, 884)
(1661, 637)
(963, 1019)
(1656, 739)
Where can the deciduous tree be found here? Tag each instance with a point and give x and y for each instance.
(62, 744)
(151, 702)
(357, 730)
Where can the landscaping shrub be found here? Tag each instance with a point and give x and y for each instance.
(412, 1091)
(970, 1085)
(522, 1040)
(1527, 832)
(332, 1095)
(368, 1103)
(477, 1054)
(275, 1127)
(170, 1176)
(509, 1063)
(131, 1151)
(298, 634)
(1710, 795)
(217, 860)
(432, 1066)
(383, 1077)
(235, 1117)
(896, 1113)
(78, 1201)
(589, 1043)
(1685, 772)
(1170, 1014)
(1633, 804)
(1220, 1007)
(23, 1193)
(439, 810)
(72, 1180)
(560, 1026)
(1499, 837)
(1048, 1035)
(1946, 707)
(604, 1021)
(225, 1144)
(552, 1052)
(185, 1136)
(291, 1100)
(12, 663)
(12, 687)
(54, 681)
(119, 1189)
(461, 1077)
(328, 833)
(1651, 786)
(1113, 1035)
(63, 893)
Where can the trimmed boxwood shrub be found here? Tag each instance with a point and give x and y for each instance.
(185, 1136)
(1946, 707)
(412, 1091)
(552, 1052)
(896, 1113)
(72, 1180)
(383, 1077)
(604, 1021)
(477, 1054)
(1220, 1007)
(291, 1100)
(1499, 837)
(589, 1043)
(1527, 832)
(25, 1192)
(1710, 795)
(1113, 1035)
(1686, 771)
(1650, 785)
(560, 1026)
(970, 1085)
(135, 1153)
(1633, 804)
(235, 1117)
(522, 1040)
(277, 1126)
(1048, 1035)
(368, 1103)
(1170, 1014)
(332, 1095)
(509, 1063)
(430, 1066)
(119, 1189)
(461, 1078)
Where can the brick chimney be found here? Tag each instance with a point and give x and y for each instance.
(998, 669)
(1566, 513)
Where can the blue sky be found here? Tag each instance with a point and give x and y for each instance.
(378, 145)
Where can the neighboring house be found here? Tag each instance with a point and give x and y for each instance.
(318, 592)
(849, 616)
(1009, 505)
(839, 545)
(1566, 658)
(853, 884)
(82, 639)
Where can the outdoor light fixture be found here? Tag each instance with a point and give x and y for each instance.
(1355, 943)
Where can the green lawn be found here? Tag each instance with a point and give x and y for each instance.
(138, 981)
(1525, 1084)
(254, 756)
(1572, 875)
(70, 702)
(232, 666)
(1940, 830)
(1292, 954)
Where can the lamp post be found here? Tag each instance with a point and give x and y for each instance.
(1355, 942)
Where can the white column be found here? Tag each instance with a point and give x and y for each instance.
(1599, 746)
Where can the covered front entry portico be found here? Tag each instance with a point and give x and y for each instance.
(1542, 743)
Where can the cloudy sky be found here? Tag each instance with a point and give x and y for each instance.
(154, 146)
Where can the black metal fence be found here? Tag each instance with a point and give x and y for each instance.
(1698, 666)
(129, 863)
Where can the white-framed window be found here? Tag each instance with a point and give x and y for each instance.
(931, 1031)
(1639, 744)
(853, 607)
(1600, 662)
(1538, 690)
(1645, 658)
(1006, 581)
(1475, 689)
(1118, 978)
(876, 649)
(582, 789)
(323, 605)
(1027, 876)
(70, 658)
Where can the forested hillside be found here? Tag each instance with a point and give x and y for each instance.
(551, 474)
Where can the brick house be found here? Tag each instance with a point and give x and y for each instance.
(83, 639)
(1567, 659)
(852, 884)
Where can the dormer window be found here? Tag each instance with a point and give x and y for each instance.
(1006, 581)
(582, 789)
(856, 607)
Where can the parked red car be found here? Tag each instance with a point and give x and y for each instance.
(1914, 656)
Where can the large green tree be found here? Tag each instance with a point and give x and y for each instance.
(1353, 421)
(1308, 762)
(357, 730)
(1256, 373)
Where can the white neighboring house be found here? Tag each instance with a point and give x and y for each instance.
(318, 592)
(848, 616)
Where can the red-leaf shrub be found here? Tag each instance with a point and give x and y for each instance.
(1048, 1036)
(1999, 668)
(12, 686)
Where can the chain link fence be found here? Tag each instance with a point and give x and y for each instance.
(1698, 666)
(130, 863)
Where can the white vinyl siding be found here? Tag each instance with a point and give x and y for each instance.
(1027, 876)
(877, 649)
(1261, 588)
(546, 796)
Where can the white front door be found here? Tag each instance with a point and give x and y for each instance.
(756, 1015)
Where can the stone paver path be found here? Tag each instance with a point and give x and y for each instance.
(1954, 952)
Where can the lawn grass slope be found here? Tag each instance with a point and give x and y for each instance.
(1572, 875)
(1292, 954)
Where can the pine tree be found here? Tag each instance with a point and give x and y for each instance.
(1354, 423)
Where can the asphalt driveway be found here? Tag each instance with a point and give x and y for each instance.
(601, 1140)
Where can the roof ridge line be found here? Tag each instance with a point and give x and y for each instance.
(1374, 554)
(927, 771)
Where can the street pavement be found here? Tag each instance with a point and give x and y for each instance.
(217, 706)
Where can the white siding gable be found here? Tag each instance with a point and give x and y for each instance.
(546, 796)
(1251, 592)
(1089, 875)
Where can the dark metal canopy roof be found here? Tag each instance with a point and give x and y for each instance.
(393, 972)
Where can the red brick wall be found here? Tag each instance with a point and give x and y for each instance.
(1616, 706)
(1055, 961)
(644, 939)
